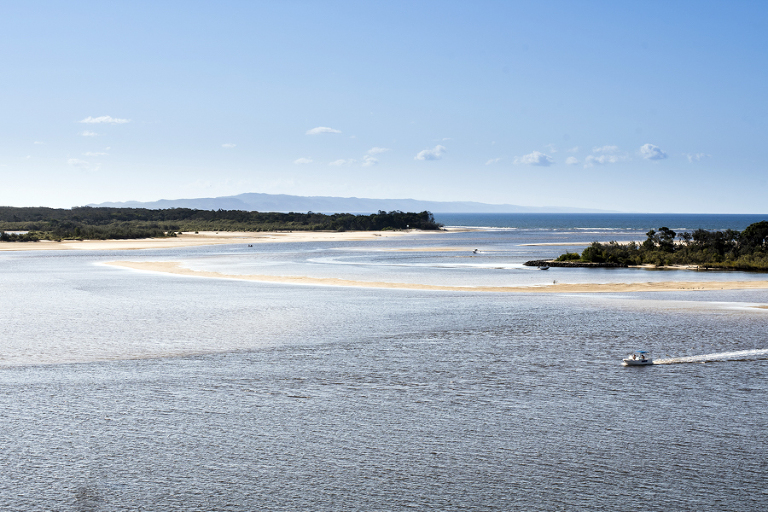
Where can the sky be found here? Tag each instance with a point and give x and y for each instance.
(629, 106)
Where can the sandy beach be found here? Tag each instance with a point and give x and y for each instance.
(173, 267)
(202, 238)
(555, 244)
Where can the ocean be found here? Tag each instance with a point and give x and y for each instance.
(602, 221)
(133, 390)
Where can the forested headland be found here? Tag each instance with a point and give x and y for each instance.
(99, 223)
(729, 249)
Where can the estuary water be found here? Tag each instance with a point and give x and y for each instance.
(128, 390)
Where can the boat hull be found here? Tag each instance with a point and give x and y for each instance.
(637, 362)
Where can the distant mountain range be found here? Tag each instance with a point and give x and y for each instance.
(324, 204)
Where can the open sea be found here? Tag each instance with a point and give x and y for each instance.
(123, 390)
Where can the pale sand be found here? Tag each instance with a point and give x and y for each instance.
(569, 243)
(174, 267)
(207, 238)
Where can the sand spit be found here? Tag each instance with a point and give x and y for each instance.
(174, 267)
(538, 244)
(208, 238)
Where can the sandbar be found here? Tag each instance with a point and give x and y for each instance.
(537, 244)
(174, 267)
(208, 238)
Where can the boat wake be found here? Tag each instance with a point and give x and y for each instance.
(739, 355)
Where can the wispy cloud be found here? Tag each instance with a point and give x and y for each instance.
(92, 153)
(342, 161)
(604, 155)
(492, 161)
(303, 161)
(228, 145)
(76, 162)
(39, 142)
(86, 133)
(574, 149)
(105, 119)
(592, 160)
(369, 160)
(652, 152)
(551, 148)
(571, 160)
(696, 157)
(606, 149)
(435, 153)
(322, 129)
(535, 158)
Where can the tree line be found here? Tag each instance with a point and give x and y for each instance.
(729, 249)
(101, 223)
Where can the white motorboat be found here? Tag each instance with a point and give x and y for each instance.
(638, 358)
(544, 267)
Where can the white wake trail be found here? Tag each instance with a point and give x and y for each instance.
(721, 356)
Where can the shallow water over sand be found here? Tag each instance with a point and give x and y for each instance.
(182, 393)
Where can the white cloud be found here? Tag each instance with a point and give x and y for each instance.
(90, 153)
(652, 152)
(551, 148)
(696, 157)
(86, 133)
(322, 129)
(228, 145)
(535, 158)
(606, 149)
(105, 119)
(492, 161)
(368, 161)
(574, 149)
(377, 151)
(303, 161)
(571, 160)
(342, 161)
(435, 153)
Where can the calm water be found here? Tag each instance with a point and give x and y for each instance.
(122, 390)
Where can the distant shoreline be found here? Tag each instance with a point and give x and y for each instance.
(204, 238)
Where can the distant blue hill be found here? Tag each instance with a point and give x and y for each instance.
(324, 204)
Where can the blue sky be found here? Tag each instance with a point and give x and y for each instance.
(631, 106)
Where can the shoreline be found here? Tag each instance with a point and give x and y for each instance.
(203, 238)
(175, 268)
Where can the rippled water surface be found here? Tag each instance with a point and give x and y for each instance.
(124, 390)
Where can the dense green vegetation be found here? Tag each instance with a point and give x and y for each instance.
(117, 223)
(729, 249)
